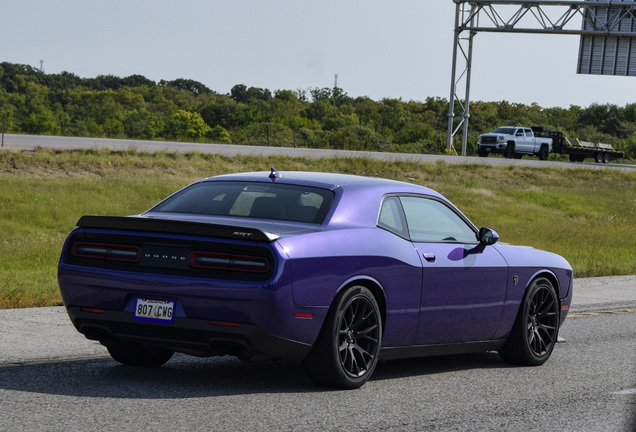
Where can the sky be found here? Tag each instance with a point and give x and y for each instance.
(380, 49)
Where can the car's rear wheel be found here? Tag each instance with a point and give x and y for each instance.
(347, 349)
(136, 354)
(536, 328)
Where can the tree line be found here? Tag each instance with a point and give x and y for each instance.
(136, 107)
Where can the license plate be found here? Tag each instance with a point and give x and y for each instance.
(153, 310)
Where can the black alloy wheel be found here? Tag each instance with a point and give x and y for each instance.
(536, 328)
(348, 347)
(544, 153)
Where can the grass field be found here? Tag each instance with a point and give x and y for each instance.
(588, 216)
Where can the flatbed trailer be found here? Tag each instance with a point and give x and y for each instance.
(580, 150)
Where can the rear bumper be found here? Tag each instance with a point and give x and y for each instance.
(187, 335)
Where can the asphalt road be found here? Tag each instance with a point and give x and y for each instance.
(30, 142)
(53, 379)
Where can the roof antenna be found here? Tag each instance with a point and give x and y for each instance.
(275, 175)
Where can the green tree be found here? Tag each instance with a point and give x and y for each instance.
(226, 112)
(6, 118)
(184, 124)
(241, 93)
(357, 138)
(142, 124)
(192, 86)
(220, 134)
(113, 128)
(137, 81)
(414, 132)
(606, 118)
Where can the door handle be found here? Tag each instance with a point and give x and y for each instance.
(430, 257)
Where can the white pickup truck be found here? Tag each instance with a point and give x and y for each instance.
(514, 142)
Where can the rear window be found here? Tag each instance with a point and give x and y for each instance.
(254, 200)
(504, 130)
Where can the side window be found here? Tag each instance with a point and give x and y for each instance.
(391, 217)
(431, 221)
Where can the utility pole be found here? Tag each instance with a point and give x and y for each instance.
(335, 81)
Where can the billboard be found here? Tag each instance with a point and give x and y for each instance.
(614, 52)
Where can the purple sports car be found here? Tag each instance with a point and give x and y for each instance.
(336, 271)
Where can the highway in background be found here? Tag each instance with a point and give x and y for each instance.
(30, 142)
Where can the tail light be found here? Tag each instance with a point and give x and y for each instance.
(106, 251)
(231, 262)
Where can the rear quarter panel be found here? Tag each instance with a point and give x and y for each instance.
(326, 262)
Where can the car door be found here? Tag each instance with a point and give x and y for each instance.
(463, 283)
(521, 141)
(530, 141)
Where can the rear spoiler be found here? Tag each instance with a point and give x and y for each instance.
(166, 226)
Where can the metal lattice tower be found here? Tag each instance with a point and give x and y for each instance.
(607, 47)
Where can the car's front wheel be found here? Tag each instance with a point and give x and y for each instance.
(136, 354)
(348, 346)
(509, 152)
(536, 328)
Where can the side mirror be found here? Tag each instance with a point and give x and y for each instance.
(487, 237)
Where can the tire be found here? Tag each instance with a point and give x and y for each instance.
(599, 157)
(606, 158)
(536, 327)
(136, 354)
(509, 152)
(544, 153)
(348, 346)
